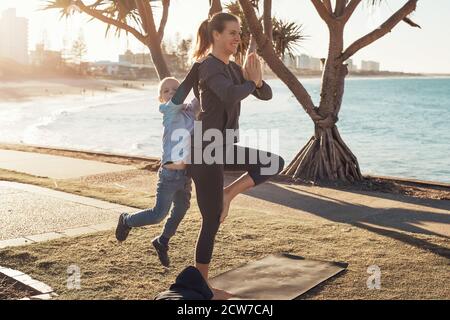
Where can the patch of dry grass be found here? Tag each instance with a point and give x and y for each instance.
(131, 270)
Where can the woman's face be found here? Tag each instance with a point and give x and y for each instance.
(229, 39)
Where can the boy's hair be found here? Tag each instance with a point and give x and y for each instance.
(164, 80)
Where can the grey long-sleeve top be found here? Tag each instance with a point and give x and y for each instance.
(222, 87)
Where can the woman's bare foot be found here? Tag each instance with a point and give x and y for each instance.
(226, 206)
(221, 294)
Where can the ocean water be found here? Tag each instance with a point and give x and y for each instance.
(395, 126)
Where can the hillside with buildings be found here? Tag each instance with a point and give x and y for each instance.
(19, 60)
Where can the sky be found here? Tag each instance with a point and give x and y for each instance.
(405, 49)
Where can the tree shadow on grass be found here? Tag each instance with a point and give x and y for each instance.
(390, 222)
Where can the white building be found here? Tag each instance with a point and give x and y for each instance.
(13, 36)
(42, 57)
(370, 66)
(306, 62)
(123, 70)
(144, 59)
(303, 61)
(352, 67)
(316, 64)
(108, 67)
(289, 61)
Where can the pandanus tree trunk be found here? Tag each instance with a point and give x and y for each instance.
(158, 60)
(326, 156)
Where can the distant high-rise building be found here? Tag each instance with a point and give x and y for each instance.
(315, 64)
(351, 66)
(289, 61)
(303, 62)
(370, 66)
(14, 36)
(136, 58)
(308, 63)
(41, 57)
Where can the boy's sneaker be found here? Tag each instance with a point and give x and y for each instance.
(161, 250)
(122, 229)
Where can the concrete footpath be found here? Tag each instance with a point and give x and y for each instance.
(31, 214)
(55, 167)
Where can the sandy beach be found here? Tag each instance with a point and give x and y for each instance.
(20, 89)
(26, 89)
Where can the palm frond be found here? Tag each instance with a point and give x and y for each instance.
(287, 37)
(124, 11)
(66, 7)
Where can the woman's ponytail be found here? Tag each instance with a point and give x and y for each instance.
(203, 40)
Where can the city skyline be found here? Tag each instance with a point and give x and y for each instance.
(13, 36)
(14, 45)
(405, 54)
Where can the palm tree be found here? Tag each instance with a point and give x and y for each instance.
(286, 37)
(131, 16)
(325, 156)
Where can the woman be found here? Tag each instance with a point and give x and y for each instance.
(222, 84)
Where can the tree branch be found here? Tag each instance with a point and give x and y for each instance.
(165, 15)
(214, 7)
(274, 62)
(145, 10)
(386, 27)
(98, 15)
(268, 19)
(144, 15)
(256, 27)
(327, 4)
(340, 7)
(322, 10)
(350, 9)
(411, 23)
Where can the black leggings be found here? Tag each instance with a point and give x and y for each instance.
(208, 179)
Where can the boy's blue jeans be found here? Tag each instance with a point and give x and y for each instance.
(173, 186)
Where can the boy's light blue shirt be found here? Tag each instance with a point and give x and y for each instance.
(176, 143)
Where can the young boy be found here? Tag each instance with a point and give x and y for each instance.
(173, 185)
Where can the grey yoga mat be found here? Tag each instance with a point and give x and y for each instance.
(276, 277)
